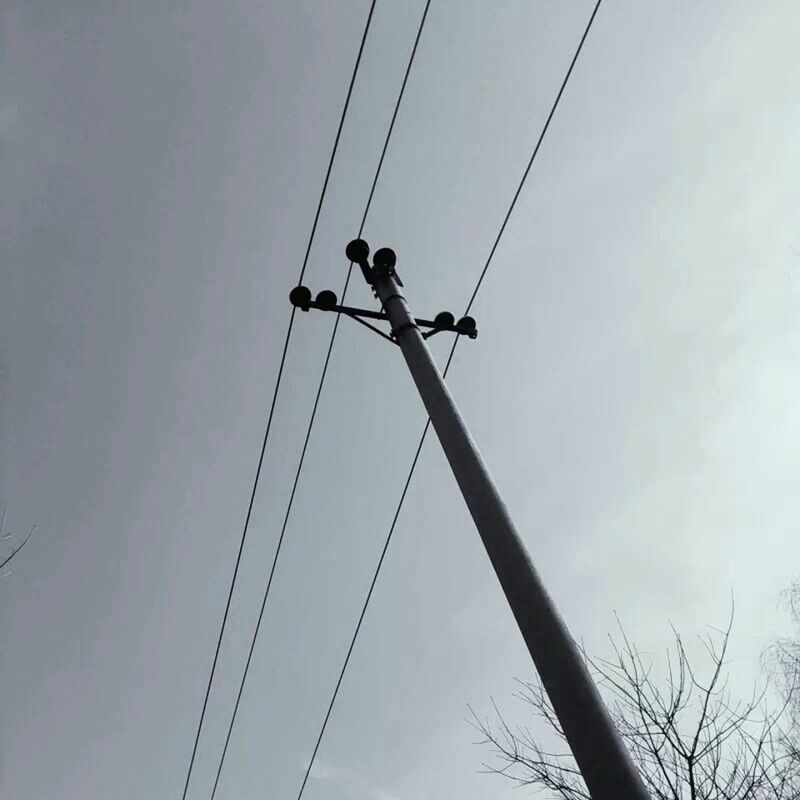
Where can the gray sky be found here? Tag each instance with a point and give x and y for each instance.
(633, 387)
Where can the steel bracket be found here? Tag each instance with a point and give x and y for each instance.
(300, 297)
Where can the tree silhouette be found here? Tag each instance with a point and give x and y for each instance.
(687, 735)
(783, 661)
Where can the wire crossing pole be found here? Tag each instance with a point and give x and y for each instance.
(603, 761)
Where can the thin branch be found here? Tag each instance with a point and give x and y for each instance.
(18, 548)
(688, 738)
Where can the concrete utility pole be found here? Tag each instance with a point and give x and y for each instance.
(604, 762)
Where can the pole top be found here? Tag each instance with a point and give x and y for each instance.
(385, 258)
(383, 261)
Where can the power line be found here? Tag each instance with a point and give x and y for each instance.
(273, 402)
(316, 400)
(533, 156)
(428, 422)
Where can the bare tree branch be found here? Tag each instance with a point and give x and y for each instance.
(689, 738)
(19, 547)
(782, 661)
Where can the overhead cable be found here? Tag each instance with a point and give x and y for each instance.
(414, 461)
(270, 416)
(316, 401)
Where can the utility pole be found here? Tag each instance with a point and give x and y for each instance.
(601, 756)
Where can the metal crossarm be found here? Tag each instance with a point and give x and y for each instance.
(300, 297)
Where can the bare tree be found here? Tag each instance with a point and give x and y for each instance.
(690, 739)
(783, 662)
(784, 654)
(4, 560)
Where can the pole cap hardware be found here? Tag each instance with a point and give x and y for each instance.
(326, 299)
(300, 297)
(385, 259)
(383, 262)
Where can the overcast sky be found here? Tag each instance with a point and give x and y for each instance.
(633, 388)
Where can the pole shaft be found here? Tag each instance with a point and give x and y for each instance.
(598, 750)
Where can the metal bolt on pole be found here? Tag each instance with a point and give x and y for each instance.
(602, 758)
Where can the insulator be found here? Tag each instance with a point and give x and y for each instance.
(444, 319)
(357, 251)
(326, 299)
(467, 324)
(300, 296)
(385, 258)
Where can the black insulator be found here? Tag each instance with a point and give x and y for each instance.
(300, 296)
(444, 319)
(326, 299)
(357, 251)
(385, 258)
(467, 324)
